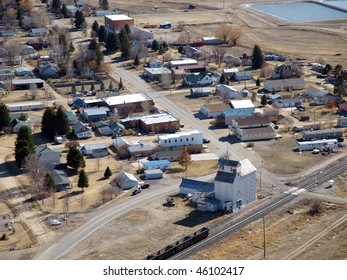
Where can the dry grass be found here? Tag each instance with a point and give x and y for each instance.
(196, 169)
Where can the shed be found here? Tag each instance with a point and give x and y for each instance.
(126, 180)
(95, 150)
(157, 164)
(153, 174)
(200, 92)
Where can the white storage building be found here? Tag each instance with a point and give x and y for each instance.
(318, 144)
(181, 139)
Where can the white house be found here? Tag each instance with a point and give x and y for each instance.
(94, 150)
(182, 62)
(181, 139)
(287, 103)
(197, 79)
(225, 90)
(126, 180)
(235, 184)
(48, 156)
(155, 63)
(17, 124)
(242, 76)
(313, 92)
(120, 142)
(34, 32)
(256, 133)
(81, 130)
(284, 84)
(17, 107)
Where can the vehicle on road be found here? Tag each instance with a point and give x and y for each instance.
(205, 141)
(135, 192)
(145, 186)
(315, 151)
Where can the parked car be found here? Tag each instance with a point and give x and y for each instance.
(205, 141)
(315, 151)
(135, 192)
(145, 186)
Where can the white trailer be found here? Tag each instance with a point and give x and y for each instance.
(18, 107)
(318, 144)
(153, 174)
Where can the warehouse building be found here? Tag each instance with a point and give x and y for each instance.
(117, 22)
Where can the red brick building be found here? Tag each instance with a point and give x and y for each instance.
(117, 22)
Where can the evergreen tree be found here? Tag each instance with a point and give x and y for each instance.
(24, 145)
(102, 34)
(82, 88)
(257, 58)
(73, 89)
(125, 45)
(99, 56)
(339, 86)
(23, 117)
(165, 47)
(62, 122)
(102, 85)
(108, 173)
(155, 45)
(180, 49)
(263, 100)
(103, 5)
(257, 82)
(95, 27)
(56, 6)
(127, 29)
(110, 86)
(5, 119)
(93, 45)
(74, 158)
(136, 61)
(64, 11)
(222, 78)
(120, 84)
(83, 180)
(71, 48)
(48, 123)
(49, 183)
(112, 43)
(92, 87)
(79, 19)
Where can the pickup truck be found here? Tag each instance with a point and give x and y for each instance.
(145, 186)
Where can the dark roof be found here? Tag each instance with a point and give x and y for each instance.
(199, 186)
(228, 162)
(253, 121)
(225, 177)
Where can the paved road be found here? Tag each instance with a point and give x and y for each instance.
(103, 216)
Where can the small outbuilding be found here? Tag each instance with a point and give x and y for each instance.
(126, 180)
(153, 174)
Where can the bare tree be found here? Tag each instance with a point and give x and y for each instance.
(37, 174)
(113, 116)
(266, 71)
(33, 91)
(26, 5)
(166, 81)
(180, 25)
(218, 53)
(12, 49)
(228, 34)
(39, 19)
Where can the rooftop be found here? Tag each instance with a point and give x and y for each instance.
(180, 133)
(93, 146)
(252, 120)
(96, 111)
(117, 17)
(156, 162)
(241, 104)
(199, 186)
(216, 107)
(124, 99)
(157, 71)
(257, 130)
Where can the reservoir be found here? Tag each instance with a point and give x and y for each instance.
(342, 4)
(304, 11)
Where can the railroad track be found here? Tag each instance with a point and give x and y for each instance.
(222, 229)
